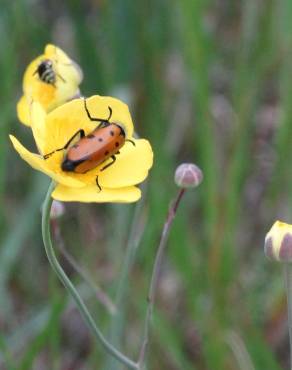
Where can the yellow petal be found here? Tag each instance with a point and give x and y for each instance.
(61, 58)
(38, 163)
(38, 125)
(68, 78)
(66, 120)
(23, 110)
(98, 107)
(50, 51)
(36, 89)
(131, 166)
(66, 67)
(69, 75)
(30, 76)
(93, 194)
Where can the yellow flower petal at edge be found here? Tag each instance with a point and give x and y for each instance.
(92, 194)
(23, 110)
(38, 125)
(68, 77)
(131, 166)
(38, 163)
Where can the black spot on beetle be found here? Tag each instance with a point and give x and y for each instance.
(112, 133)
(100, 139)
(106, 153)
(90, 136)
(117, 144)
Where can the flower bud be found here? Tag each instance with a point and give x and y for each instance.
(188, 175)
(278, 242)
(57, 209)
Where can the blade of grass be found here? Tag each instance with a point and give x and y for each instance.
(43, 338)
(7, 356)
(22, 227)
(239, 350)
(35, 323)
(197, 50)
(283, 9)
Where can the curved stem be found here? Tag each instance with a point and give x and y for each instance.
(70, 287)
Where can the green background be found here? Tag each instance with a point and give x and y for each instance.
(208, 82)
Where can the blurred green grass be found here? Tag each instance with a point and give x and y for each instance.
(207, 82)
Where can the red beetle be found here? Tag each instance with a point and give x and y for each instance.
(95, 148)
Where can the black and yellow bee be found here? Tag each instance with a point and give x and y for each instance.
(46, 72)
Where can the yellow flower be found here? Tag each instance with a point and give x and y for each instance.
(278, 242)
(54, 130)
(67, 76)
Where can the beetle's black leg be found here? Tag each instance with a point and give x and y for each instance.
(113, 157)
(46, 156)
(131, 141)
(82, 134)
(101, 120)
(79, 132)
(97, 183)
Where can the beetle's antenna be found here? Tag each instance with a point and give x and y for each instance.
(111, 112)
(94, 118)
(131, 141)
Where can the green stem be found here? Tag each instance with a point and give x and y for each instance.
(288, 279)
(155, 275)
(70, 287)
